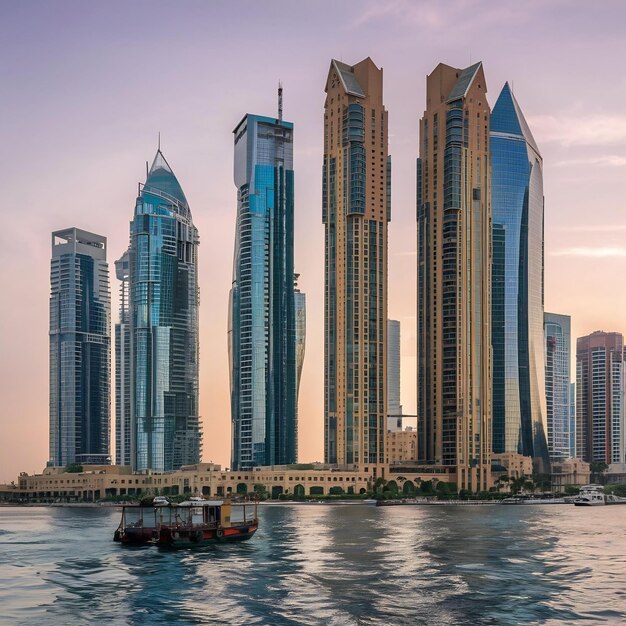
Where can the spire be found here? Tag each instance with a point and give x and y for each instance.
(159, 163)
(507, 117)
(280, 101)
(162, 177)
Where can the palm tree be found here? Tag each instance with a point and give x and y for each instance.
(598, 468)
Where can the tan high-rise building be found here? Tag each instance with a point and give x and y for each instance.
(600, 397)
(454, 276)
(356, 201)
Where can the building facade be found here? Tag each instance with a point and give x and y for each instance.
(561, 430)
(123, 366)
(163, 287)
(80, 349)
(402, 446)
(266, 311)
(518, 400)
(356, 208)
(454, 276)
(600, 397)
(208, 480)
(394, 407)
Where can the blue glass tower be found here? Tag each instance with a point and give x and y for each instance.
(163, 292)
(265, 346)
(518, 403)
(80, 349)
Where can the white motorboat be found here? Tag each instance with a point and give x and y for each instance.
(593, 495)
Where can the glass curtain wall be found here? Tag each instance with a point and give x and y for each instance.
(164, 325)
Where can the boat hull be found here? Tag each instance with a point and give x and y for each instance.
(136, 536)
(178, 538)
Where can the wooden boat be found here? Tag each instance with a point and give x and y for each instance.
(191, 523)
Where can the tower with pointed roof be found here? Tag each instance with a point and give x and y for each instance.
(163, 314)
(517, 206)
(356, 210)
(454, 277)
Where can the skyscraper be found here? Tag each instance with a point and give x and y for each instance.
(394, 408)
(164, 297)
(454, 276)
(300, 304)
(123, 422)
(600, 397)
(80, 349)
(561, 431)
(356, 207)
(518, 403)
(266, 318)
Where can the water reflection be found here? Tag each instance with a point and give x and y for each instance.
(323, 564)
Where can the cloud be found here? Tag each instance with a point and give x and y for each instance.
(614, 160)
(587, 130)
(594, 228)
(601, 252)
(451, 16)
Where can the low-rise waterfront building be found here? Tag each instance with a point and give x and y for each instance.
(515, 465)
(209, 479)
(402, 445)
(571, 472)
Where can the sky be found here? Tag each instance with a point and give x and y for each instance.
(86, 87)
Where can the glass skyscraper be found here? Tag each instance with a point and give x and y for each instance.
(454, 277)
(163, 289)
(356, 210)
(80, 349)
(266, 313)
(123, 366)
(561, 427)
(518, 405)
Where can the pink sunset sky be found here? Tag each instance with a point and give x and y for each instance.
(85, 87)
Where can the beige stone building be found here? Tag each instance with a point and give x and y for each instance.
(572, 472)
(402, 446)
(207, 479)
(356, 208)
(454, 276)
(515, 465)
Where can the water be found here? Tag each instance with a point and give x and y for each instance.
(323, 564)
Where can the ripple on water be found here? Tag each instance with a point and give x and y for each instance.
(323, 565)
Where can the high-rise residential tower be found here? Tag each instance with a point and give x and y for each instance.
(454, 276)
(600, 397)
(163, 286)
(300, 305)
(356, 208)
(518, 401)
(80, 349)
(123, 366)
(561, 431)
(394, 408)
(266, 316)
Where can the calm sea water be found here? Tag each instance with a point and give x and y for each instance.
(324, 564)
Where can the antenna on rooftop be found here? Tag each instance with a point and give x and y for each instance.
(147, 172)
(159, 141)
(280, 101)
